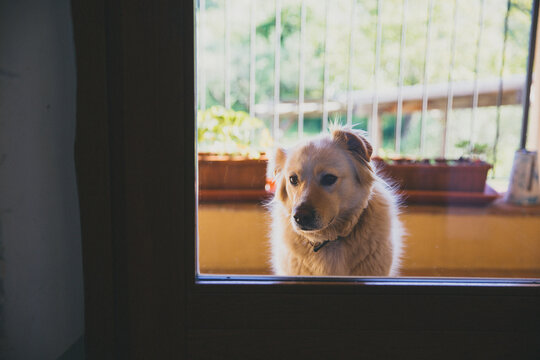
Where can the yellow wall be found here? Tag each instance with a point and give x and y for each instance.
(233, 239)
(472, 241)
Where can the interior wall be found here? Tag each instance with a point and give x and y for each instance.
(42, 312)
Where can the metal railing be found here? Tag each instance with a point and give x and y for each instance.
(498, 91)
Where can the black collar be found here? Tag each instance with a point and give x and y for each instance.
(320, 245)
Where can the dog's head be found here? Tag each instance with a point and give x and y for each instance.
(324, 184)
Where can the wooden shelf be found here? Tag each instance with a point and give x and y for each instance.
(450, 197)
(233, 195)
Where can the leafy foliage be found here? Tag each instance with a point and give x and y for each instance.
(224, 131)
(475, 151)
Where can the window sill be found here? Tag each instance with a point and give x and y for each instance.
(498, 207)
(233, 195)
(232, 198)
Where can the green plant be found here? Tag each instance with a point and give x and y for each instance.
(224, 131)
(476, 151)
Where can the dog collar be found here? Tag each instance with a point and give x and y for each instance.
(320, 245)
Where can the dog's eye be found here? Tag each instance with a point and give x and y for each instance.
(293, 179)
(328, 180)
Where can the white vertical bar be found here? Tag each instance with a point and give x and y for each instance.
(227, 56)
(349, 65)
(476, 65)
(450, 93)
(252, 58)
(426, 80)
(325, 70)
(302, 75)
(277, 57)
(400, 81)
(200, 60)
(374, 123)
(500, 91)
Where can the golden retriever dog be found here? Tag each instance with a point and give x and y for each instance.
(332, 215)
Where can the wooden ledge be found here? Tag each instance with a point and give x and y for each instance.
(233, 196)
(498, 207)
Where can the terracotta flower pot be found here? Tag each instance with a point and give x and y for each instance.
(231, 178)
(459, 175)
(229, 172)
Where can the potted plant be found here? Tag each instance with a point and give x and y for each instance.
(232, 162)
(459, 181)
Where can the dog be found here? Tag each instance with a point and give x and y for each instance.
(331, 214)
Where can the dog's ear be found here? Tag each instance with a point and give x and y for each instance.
(276, 163)
(355, 143)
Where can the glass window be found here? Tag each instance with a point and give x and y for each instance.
(434, 93)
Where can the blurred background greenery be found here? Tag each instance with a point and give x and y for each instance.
(363, 59)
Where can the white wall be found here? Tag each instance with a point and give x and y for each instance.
(39, 215)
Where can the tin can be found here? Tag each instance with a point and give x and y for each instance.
(524, 187)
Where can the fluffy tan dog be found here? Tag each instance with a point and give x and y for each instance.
(332, 214)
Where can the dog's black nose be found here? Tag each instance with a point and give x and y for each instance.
(305, 217)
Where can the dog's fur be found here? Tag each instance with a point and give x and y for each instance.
(358, 213)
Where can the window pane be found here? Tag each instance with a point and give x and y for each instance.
(434, 92)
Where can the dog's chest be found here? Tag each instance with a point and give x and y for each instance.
(328, 260)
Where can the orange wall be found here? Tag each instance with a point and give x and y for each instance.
(233, 239)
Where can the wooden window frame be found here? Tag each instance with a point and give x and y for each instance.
(135, 161)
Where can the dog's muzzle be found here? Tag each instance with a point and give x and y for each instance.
(305, 217)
